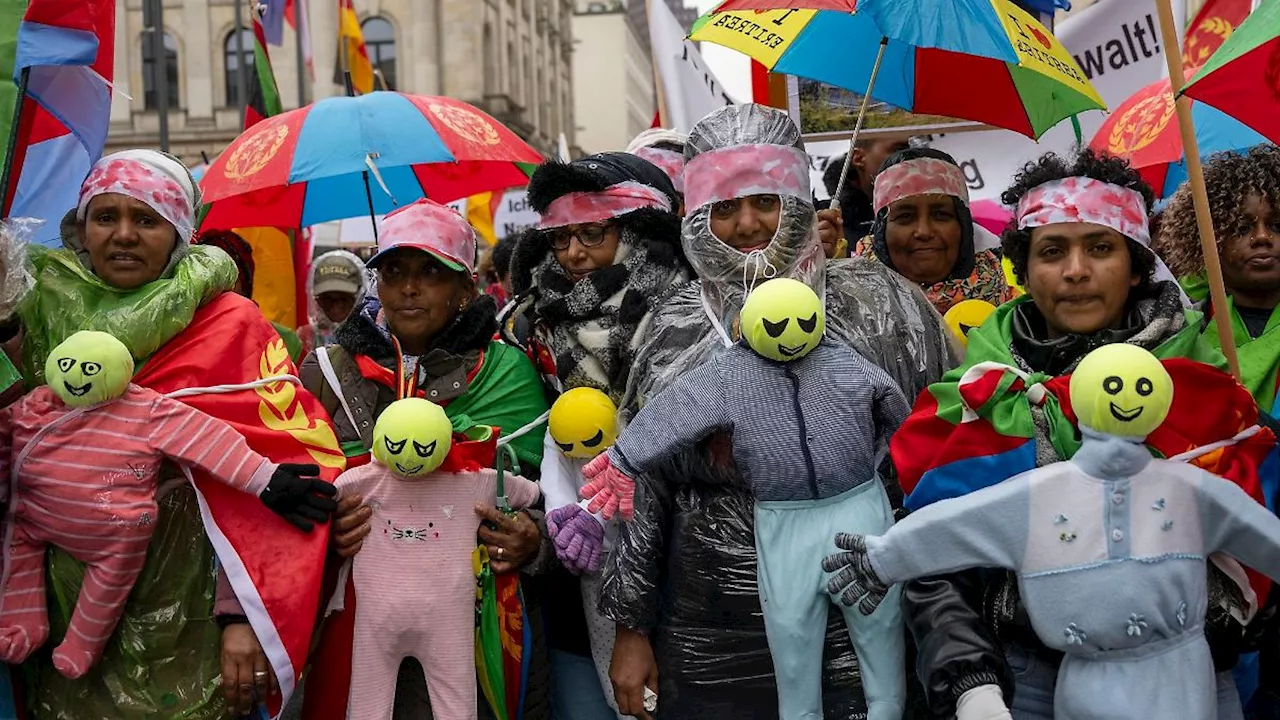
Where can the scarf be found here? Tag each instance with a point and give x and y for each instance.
(68, 298)
(595, 326)
(985, 280)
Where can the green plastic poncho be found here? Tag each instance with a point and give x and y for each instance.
(164, 659)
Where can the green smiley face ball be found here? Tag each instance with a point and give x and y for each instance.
(89, 368)
(783, 320)
(412, 437)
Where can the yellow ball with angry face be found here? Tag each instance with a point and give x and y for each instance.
(583, 423)
(412, 437)
(1121, 390)
(783, 320)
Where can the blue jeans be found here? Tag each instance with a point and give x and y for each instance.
(575, 689)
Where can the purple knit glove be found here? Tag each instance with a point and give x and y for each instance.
(579, 538)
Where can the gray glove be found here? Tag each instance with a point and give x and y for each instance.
(854, 580)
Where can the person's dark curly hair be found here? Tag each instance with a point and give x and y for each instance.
(1016, 243)
(1230, 179)
(500, 258)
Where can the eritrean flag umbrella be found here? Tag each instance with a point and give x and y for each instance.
(983, 60)
(1144, 131)
(1242, 79)
(347, 157)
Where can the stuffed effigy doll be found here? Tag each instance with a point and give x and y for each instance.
(583, 424)
(1109, 547)
(810, 422)
(84, 453)
(414, 576)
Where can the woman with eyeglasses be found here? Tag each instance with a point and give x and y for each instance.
(605, 254)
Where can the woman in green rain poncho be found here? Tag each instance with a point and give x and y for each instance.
(429, 334)
(127, 268)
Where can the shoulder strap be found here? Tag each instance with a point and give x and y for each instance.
(331, 376)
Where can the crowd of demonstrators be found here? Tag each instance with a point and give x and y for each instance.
(924, 232)
(634, 278)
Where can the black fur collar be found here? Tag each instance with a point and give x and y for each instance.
(471, 331)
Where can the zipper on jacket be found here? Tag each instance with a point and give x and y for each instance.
(804, 431)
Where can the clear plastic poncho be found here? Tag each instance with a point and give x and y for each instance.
(685, 569)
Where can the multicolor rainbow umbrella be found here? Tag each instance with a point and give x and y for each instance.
(1144, 131)
(348, 157)
(1242, 79)
(982, 60)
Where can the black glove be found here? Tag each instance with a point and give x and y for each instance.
(297, 494)
(855, 581)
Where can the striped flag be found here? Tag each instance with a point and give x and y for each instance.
(295, 13)
(353, 56)
(264, 95)
(68, 52)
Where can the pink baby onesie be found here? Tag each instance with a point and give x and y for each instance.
(88, 486)
(415, 585)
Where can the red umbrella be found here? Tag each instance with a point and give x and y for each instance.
(351, 156)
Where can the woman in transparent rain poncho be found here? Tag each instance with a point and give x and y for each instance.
(681, 582)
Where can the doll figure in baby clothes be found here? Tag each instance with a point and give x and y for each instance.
(414, 576)
(583, 424)
(810, 421)
(1109, 548)
(84, 453)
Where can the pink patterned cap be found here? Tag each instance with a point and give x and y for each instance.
(746, 170)
(919, 176)
(146, 176)
(1086, 200)
(614, 201)
(668, 161)
(433, 228)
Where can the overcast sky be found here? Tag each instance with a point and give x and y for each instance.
(731, 67)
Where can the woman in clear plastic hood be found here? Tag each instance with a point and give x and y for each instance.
(681, 582)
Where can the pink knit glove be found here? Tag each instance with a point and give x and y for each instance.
(609, 490)
(579, 538)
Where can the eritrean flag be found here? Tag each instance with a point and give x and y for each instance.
(276, 570)
(353, 56)
(264, 96)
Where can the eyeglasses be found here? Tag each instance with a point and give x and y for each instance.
(588, 236)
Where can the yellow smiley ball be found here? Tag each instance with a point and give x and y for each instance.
(583, 423)
(412, 437)
(783, 320)
(88, 368)
(1121, 390)
(967, 315)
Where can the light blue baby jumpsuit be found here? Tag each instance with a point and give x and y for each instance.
(808, 436)
(1110, 552)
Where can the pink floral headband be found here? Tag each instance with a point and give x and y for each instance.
(1086, 200)
(919, 176)
(145, 182)
(746, 170)
(614, 201)
(668, 161)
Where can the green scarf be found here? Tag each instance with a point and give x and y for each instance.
(69, 298)
(993, 342)
(1259, 357)
(506, 393)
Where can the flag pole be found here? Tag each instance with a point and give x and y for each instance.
(242, 85)
(664, 117)
(7, 181)
(153, 10)
(1199, 195)
(299, 8)
(857, 128)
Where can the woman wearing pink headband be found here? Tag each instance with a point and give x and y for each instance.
(1079, 247)
(127, 268)
(924, 231)
(682, 579)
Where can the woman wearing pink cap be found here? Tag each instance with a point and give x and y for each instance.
(428, 333)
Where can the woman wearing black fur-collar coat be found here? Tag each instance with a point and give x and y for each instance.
(605, 255)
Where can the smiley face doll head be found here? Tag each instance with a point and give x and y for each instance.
(412, 437)
(1121, 390)
(967, 315)
(89, 368)
(783, 320)
(583, 423)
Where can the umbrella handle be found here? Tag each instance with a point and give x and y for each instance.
(505, 453)
(857, 128)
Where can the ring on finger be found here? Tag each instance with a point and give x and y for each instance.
(501, 551)
(260, 675)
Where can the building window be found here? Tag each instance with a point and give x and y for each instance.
(149, 78)
(235, 57)
(380, 40)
